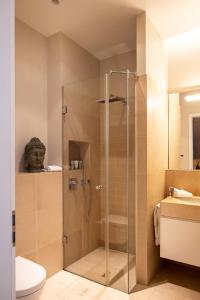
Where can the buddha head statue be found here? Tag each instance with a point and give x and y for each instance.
(34, 155)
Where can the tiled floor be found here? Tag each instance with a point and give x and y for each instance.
(92, 266)
(67, 286)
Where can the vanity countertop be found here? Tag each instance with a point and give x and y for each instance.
(182, 208)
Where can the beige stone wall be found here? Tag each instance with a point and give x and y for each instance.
(80, 77)
(152, 154)
(55, 83)
(118, 202)
(183, 179)
(39, 218)
(152, 142)
(69, 66)
(43, 66)
(30, 88)
(157, 161)
(175, 161)
(141, 179)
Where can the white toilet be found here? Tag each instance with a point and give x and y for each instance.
(30, 279)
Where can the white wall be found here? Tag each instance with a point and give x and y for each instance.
(7, 148)
(184, 60)
(31, 88)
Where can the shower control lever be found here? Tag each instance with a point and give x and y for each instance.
(99, 187)
(73, 182)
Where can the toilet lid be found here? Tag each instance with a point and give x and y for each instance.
(30, 277)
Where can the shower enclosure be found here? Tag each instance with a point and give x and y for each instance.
(99, 179)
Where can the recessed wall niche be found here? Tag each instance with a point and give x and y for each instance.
(78, 154)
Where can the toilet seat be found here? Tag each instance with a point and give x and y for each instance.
(30, 277)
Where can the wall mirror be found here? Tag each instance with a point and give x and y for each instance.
(184, 130)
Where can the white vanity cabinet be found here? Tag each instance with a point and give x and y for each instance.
(180, 240)
(180, 230)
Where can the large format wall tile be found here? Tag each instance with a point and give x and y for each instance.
(39, 219)
(183, 179)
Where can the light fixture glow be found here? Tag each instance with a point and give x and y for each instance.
(192, 98)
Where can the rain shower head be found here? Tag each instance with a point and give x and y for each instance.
(56, 2)
(112, 98)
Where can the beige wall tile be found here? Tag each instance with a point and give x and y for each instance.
(49, 191)
(74, 68)
(73, 248)
(39, 218)
(151, 145)
(51, 258)
(49, 226)
(32, 256)
(26, 233)
(117, 135)
(183, 179)
(30, 91)
(26, 191)
(80, 77)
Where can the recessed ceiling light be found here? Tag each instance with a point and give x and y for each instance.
(192, 98)
(55, 2)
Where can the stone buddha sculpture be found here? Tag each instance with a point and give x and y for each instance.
(34, 155)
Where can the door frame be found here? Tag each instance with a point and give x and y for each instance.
(7, 148)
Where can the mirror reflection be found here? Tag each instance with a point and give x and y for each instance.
(184, 130)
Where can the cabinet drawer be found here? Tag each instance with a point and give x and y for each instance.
(180, 240)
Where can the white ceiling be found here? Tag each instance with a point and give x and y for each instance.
(107, 27)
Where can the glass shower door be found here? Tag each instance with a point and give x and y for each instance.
(121, 180)
(98, 180)
(84, 181)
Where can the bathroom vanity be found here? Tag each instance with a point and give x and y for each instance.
(180, 230)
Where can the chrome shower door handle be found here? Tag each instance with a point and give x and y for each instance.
(99, 187)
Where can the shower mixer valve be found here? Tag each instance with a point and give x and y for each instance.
(73, 182)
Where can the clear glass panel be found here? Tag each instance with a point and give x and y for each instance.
(83, 156)
(121, 184)
(131, 188)
(99, 203)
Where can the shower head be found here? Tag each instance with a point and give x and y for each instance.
(56, 2)
(112, 98)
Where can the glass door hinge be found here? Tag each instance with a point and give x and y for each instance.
(64, 109)
(65, 239)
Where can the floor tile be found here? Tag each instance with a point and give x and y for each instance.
(67, 286)
(166, 291)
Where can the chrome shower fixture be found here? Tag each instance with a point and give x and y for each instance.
(112, 98)
(56, 2)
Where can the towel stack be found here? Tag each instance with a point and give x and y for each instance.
(177, 193)
(54, 168)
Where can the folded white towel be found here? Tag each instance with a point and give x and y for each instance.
(156, 217)
(181, 193)
(54, 168)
